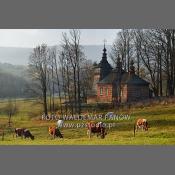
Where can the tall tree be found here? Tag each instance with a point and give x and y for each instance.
(38, 69)
(53, 55)
(123, 48)
(74, 57)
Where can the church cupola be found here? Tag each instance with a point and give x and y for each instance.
(104, 53)
(105, 67)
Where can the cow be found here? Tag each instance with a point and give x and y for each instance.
(60, 123)
(141, 124)
(24, 133)
(19, 132)
(96, 128)
(54, 131)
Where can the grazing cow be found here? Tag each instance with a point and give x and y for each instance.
(96, 128)
(142, 123)
(22, 132)
(54, 131)
(19, 132)
(27, 134)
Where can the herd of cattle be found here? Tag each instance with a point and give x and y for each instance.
(92, 128)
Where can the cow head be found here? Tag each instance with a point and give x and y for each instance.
(32, 137)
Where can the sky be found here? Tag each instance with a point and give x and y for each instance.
(32, 37)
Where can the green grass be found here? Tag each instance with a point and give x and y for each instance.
(161, 120)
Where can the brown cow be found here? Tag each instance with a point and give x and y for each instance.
(142, 123)
(54, 131)
(97, 128)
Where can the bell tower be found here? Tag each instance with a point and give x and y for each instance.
(105, 67)
(101, 70)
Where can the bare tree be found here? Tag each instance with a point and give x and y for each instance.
(38, 70)
(55, 72)
(155, 51)
(78, 57)
(73, 56)
(86, 78)
(123, 48)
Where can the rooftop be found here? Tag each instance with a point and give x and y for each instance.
(124, 77)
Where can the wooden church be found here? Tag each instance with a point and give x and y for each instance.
(114, 85)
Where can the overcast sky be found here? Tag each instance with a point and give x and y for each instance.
(34, 37)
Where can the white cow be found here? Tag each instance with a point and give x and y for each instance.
(60, 123)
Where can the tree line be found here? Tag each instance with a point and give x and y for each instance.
(153, 51)
(12, 86)
(62, 73)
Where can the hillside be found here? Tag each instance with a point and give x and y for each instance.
(16, 70)
(14, 80)
(12, 86)
(19, 56)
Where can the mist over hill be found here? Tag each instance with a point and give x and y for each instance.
(13, 68)
(20, 56)
(15, 55)
(12, 86)
(14, 81)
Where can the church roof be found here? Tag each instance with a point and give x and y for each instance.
(104, 64)
(133, 79)
(124, 77)
(110, 78)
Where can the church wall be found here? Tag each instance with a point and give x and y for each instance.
(136, 93)
(123, 93)
(104, 93)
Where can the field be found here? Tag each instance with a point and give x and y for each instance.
(161, 120)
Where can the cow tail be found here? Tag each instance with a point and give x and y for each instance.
(134, 130)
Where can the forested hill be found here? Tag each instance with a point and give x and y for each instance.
(12, 86)
(13, 81)
(16, 70)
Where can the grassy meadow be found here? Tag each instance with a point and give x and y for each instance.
(161, 119)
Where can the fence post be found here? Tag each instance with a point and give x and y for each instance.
(134, 130)
(2, 135)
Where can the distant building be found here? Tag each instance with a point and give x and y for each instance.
(116, 85)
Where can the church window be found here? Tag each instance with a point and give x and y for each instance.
(121, 93)
(101, 91)
(106, 91)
